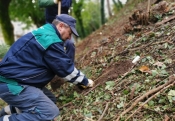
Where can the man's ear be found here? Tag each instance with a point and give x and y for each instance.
(61, 24)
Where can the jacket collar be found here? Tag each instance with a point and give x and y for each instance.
(57, 32)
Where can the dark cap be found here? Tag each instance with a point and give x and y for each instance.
(69, 20)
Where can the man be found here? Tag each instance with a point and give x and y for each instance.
(29, 65)
(51, 10)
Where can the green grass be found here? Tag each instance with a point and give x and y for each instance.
(3, 50)
(2, 103)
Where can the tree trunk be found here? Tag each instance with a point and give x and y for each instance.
(37, 21)
(116, 5)
(77, 8)
(120, 4)
(102, 12)
(109, 8)
(5, 23)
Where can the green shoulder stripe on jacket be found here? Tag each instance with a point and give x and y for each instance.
(46, 35)
(45, 3)
(12, 85)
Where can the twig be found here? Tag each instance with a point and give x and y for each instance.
(93, 88)
(78, 98)
(83, 93)
(70, 118)
(150, 99)
(132, 92)
(148, 8)
(89, 119)
(95, 49)
(65, 105)
(149, 44)
(114, 81)
(104, 112)
(118, 80)
(146, 95)
(164, 21)
(138, 40)
(132, 44)
(141, 47)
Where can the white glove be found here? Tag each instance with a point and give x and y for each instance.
(90, 83)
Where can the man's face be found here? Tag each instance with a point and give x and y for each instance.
(65, 31)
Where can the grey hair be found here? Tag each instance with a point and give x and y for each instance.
(56, 22)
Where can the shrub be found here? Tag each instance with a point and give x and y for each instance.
(3, 50)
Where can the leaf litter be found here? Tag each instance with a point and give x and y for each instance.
(123, 90)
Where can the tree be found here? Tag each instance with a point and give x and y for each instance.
(102, 12)
(118, 5)
(27, 11)
(77, 8)
(109, 8)
(91, 16)
(5, 23)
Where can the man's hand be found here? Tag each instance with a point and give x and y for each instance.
(90, 83)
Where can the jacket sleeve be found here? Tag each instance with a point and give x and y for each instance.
(45, 3)
(70, 48)
(62, 65)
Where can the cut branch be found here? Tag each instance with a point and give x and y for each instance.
(104, 112)
(153, 91)
(164, 21)
(153, 96)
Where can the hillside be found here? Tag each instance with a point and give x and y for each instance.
(125, 91)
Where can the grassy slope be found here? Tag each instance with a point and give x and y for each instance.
(109, 100)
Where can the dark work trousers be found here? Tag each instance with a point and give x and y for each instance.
(33, 103)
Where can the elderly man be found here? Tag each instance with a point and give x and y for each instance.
(51, 10)
(29, 65)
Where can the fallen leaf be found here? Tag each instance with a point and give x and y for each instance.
(166, 118)
(160, 64)
(144, 69)
(130, 38)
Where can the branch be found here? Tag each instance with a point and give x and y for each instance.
(114, 81)
(164, 21)
(150, 99)
(103, 112)
(93, 87)
(118, 80)
(148, 7)
(171, 80)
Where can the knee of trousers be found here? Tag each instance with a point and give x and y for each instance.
(5, 118)
(53, 112)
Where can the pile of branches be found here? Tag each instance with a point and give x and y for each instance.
(140, 18)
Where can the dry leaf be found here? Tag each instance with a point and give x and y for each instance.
(166, 118)
(130, 38)
(144, 69)
(159, 64)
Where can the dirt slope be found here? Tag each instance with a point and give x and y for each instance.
(102, 48)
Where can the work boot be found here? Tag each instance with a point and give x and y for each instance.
(2, 113)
